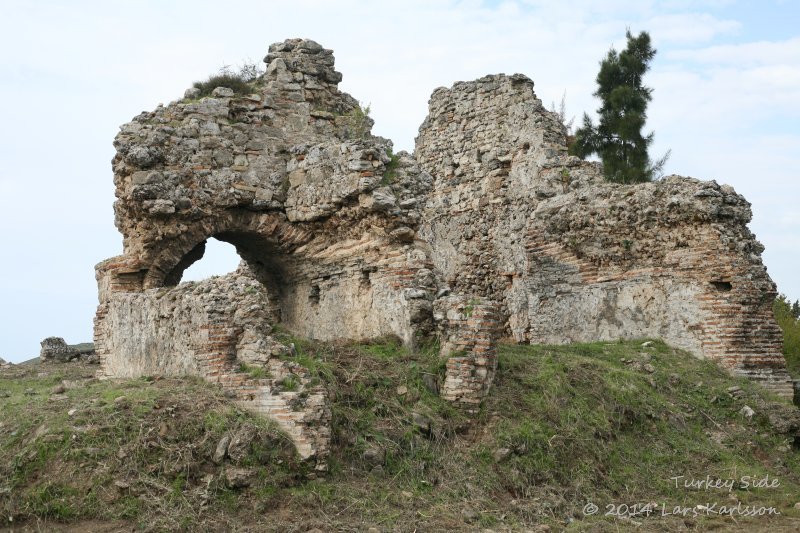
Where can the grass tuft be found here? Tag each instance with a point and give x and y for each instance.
(240, 81)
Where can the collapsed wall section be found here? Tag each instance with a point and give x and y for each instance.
(671, 259)
(468, 332)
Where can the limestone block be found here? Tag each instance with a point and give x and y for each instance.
(56, 350)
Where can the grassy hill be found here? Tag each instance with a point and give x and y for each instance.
(621, 426)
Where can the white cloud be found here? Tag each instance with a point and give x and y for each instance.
(688, 28)
(743, 54)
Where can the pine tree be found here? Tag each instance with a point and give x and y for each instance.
(796, 309)
(618, 138)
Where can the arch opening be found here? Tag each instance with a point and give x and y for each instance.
(312, 292)
(224, 253)
(246, 253)
(209, 258)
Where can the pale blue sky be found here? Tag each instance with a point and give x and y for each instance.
(726, 101)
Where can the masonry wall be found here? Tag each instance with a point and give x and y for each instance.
(490, 229)
(568, 257)
(211, 329)
(686, 269)
(469, 332)
(323, 218)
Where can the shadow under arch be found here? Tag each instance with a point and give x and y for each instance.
(264, 241)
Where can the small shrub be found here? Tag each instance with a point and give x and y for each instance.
(256, 372)
(562, 114)
(390, 173)
(785, 315)
(357, 123)
(239, 81)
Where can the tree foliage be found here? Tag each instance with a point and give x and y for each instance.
(618, 138)
(788, 316)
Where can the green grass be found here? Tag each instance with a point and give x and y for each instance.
(137, 450)
(289, 384)
(256, 372)
(587, 422)
(311, 355)
(240, 80)
(238, 85)
(607, 422)
(601, 428)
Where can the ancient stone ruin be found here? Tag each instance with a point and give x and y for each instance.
(488, 230)
(56, 350)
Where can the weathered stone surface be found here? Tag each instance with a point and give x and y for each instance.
(221, 451)
(293, 178)
(209, 329)
(568, 257)
(374, 456)
(468, 330)
(222, 92)
(421, 422)
(489, 229)
(55, 349)
(240, 443)
(237, 478)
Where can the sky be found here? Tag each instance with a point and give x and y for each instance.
(726, 101)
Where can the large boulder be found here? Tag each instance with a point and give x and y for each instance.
(56, 350)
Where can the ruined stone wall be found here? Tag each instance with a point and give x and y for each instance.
(494, 152)
(468, 331)
(489, 228)
(322, 217)
(292, 177)
(569, 257)
(218, 329)
(684, 268)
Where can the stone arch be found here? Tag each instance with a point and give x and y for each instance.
(253, 235)
(215, 327)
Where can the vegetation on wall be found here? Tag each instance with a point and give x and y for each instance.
(357, 122)
(561, 112)
(238, 80)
